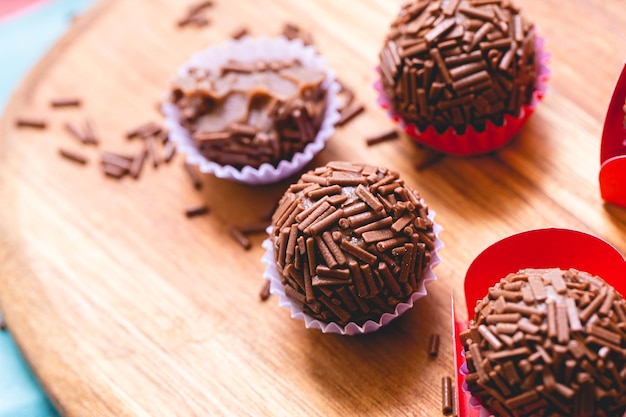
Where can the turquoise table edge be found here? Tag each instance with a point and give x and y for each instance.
(24, 38)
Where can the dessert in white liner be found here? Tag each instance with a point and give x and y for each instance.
(249, 50)
(350, 329)
(352, 247)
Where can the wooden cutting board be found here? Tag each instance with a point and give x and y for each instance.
(124, 307)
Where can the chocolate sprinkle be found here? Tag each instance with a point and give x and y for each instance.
(446, 395)
(239, 237)
(193, 175)
(433, 346)
(265, 290)
(558, 348)
(73, 156)
(30, 122)
(65, 102)
(194, 14)
(322, 245)
(198, 210)
(382, 137)
(239, 32)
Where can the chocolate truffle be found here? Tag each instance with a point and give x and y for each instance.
(351, 241)
(250, 113)
(549, 342)
(459, 62)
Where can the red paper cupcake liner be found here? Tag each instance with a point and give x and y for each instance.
(473, 142)
(533, 248)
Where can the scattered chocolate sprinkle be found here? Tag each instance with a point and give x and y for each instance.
(123, 161)
(86, 136)
(382, 137)
(152, 151)
(349, 113)
(30, 122)
(137, 164)
(198, 210)
(72, 156)
(265, 290)
(90, 133)
(199, 6)
(239, 237)
(339, 258)
(446, 395)
(199, 21)
(73, 130)
(144, 130)
(240, 33)
(192, 173)
(114, 171)
(433, 345)
(193, 15)
(556, 347)
(292, 31)
(169, 150)
(65, 102)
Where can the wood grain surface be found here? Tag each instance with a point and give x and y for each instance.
(124, 307)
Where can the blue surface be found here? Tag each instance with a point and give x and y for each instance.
(24, 38)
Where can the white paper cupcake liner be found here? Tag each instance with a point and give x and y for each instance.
(251, 49)
(350, 329)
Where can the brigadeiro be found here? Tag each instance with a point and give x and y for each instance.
(351, 247)
(462, 76)
(254, 110)
(548, 342)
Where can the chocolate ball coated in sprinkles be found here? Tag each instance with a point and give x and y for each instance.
(350, 242)
(549, 342)
(450, 64)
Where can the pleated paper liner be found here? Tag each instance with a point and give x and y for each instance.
(539, 248)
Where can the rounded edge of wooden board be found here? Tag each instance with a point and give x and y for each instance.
(14, 265)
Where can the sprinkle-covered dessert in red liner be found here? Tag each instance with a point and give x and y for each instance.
(547, 339)
(461, 76)
(254, 110)
(351, 247)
